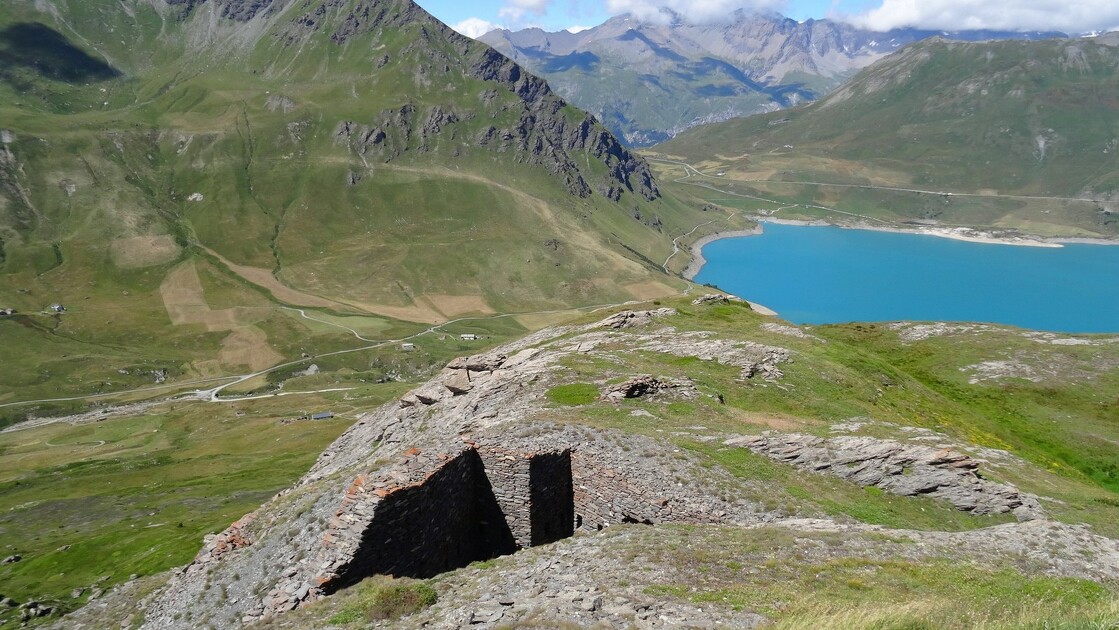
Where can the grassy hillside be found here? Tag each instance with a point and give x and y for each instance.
(202, 465)
(177, 174)
(1015, 135)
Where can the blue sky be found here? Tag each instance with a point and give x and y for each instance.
(1071, 16)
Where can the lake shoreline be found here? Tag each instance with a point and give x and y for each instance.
(969, 235)
(839, 275)
(698, 261)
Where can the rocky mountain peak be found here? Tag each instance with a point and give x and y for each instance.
(690, 73)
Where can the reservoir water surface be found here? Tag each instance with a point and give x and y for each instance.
(822, 275)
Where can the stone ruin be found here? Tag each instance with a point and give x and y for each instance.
(434, 508)
(442, 509)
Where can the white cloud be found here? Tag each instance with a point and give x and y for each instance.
(1071, 16)
(475, 27)
(692, 11)
(577, 29)
(516, 10)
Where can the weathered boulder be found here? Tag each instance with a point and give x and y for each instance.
(633, 319)
(710, 298)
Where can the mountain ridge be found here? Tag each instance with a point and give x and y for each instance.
(1012, 135)
(751, 64)
(353, 156)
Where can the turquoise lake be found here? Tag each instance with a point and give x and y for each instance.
(823, 275)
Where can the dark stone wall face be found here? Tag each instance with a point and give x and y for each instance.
(534, 491)
(483, 502)
(551, 498)
(449, 521)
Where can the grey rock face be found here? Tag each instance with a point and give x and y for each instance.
(899, 468)
(634, 319)
(543, 134)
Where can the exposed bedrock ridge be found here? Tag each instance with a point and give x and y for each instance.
(899, 468)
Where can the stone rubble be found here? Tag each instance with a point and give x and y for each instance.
(755, 359)
(789, 331)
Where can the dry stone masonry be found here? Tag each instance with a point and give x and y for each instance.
(444, 508)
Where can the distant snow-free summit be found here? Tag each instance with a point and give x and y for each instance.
(647, 82)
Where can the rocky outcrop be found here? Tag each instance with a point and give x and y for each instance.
(635, 319)
(544, 131)
(444, 504)
(899, 468)
(755, 359)
(711, 298)
(638, 386)
(479, 463)
(238, 10)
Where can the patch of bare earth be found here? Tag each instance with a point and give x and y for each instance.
(143, 251)
(771, 421)
(536, 321)
(649, 290)
(263, 278)
(248, 345)
(185, 301)
(454, 305)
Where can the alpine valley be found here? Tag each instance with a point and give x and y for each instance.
(317, 314)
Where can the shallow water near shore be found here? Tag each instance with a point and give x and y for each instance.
(823, 275)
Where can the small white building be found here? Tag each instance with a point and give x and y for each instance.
(407, 347)
(468, 337)
(57, 308)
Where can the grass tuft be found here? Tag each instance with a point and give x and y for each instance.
(382, 597)
(573, 394)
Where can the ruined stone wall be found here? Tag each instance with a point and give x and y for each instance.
(534, 490)
(448, 521)
(482, 501)
(508, 474)
(607, 496)
(445, 505)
